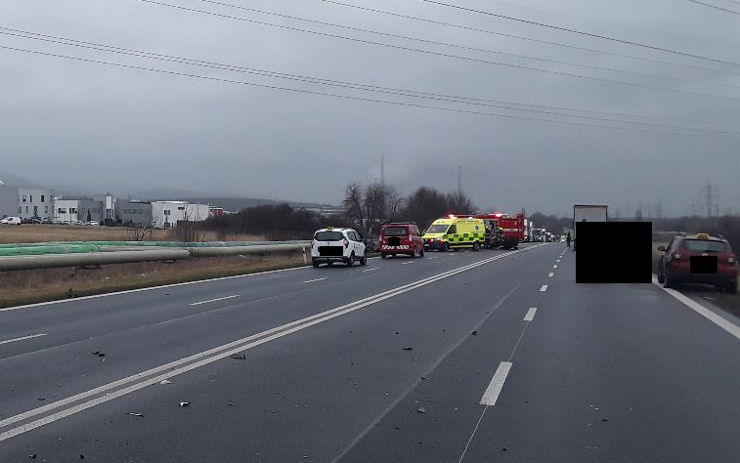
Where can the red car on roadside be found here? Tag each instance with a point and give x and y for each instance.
(699, 258)
(400, 238)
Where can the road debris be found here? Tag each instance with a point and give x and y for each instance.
(474, 333)
(240, 356)
(184, 403)
(408, 348)
(99, 353)
(32, 456)
(165, 381)
(421, 410)
(136, 414)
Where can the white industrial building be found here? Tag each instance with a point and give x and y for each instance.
(66, 210)
(166, 214)
(197, 212)
(35, 203)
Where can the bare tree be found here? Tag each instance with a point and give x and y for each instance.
(375, 203)
(353, 204)
(189, 231)
(395, 202)
(459, 203)
(139, 232)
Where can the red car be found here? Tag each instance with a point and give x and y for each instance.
(400, 238)
(698, 258)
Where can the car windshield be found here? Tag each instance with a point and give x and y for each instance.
(328, 236)
(437, 229)
(705, 246)
(395, 231)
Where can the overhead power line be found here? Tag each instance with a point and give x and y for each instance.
(462, 47)
(582, 33)
(541, 109)
(716, 7)
(518, 37)
(436, 53)
(351, 97)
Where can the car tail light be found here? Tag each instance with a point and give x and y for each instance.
(346, 242)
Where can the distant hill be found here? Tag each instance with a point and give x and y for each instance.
(16, 181)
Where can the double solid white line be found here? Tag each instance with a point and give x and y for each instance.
(122, 387)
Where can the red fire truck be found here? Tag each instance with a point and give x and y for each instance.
(503, 230)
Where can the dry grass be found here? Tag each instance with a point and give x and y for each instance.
(33, 233)
(728, 302)
(29, 286)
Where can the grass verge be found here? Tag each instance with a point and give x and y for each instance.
(43, 285)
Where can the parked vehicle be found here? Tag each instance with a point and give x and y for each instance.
(454, 233)
(587, 213)
(504, 231)
(400, 238)
(331, 245)
(11, 221)
(699, 258)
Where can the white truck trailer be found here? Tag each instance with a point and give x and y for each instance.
(587, 213)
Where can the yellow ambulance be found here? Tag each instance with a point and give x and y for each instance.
(454, 232)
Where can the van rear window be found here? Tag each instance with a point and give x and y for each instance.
(395, 231)
(704, 246)
(328, 236)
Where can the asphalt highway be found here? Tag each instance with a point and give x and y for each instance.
(457, 356)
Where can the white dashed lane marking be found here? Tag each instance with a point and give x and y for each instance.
(315, 280)
(215, 300)
(530, 314)
(8, 341)
(497, 383)
(543, 288)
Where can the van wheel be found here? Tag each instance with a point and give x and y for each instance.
(351, 260)
(421, 253)
(476, 246)
(315, 264)
(363, 261)
(444, 248)
(383, 256)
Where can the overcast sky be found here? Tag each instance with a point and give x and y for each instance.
(101, 127)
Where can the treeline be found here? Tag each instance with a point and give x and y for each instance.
(274, 222)
(370, 206)
(365, 209)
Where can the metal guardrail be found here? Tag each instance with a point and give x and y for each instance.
(116, 255)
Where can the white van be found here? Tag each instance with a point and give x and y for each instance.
(11, 221)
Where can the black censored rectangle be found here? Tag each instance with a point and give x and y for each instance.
(614, 252)
(703, 264)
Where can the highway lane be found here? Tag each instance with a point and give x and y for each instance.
(144, 329)
(346, 389)
(78, 319)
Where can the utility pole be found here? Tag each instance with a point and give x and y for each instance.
(707, 190)
(382, 169)
(459, 179)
